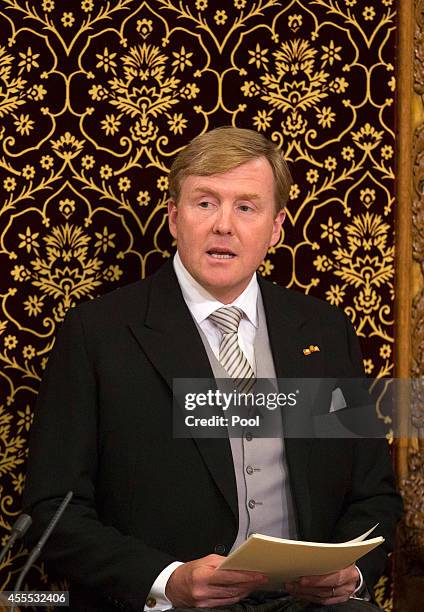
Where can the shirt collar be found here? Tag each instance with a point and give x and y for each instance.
(201, 303)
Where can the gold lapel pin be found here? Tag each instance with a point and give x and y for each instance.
(311, 349)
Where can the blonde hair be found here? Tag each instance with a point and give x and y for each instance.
(223, 149)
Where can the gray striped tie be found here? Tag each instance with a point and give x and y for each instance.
(231, 357)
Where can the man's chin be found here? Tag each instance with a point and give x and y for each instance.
(223, 288)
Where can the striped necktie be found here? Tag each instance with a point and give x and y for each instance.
(231, 357)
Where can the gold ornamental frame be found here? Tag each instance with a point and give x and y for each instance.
(409, 345)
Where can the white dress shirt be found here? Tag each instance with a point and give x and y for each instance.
(202, 304)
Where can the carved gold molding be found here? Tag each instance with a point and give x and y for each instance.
(405, 80)
(417, 281)
(410, 299)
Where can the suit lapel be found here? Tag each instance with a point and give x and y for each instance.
(168, 334)
(289, 332)
(169, 338)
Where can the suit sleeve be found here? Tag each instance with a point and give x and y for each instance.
(64, 456)
(372, 497)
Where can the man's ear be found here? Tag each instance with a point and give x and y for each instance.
(276, 230)
(172, 217)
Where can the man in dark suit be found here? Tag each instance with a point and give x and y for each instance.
(152, 514)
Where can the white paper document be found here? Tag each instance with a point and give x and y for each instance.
(286, 560)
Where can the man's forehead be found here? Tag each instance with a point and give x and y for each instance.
(257, 170)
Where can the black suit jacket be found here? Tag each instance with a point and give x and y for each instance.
(142, 499)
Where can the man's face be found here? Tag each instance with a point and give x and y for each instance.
(224, 224)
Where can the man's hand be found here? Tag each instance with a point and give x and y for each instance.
(199, 584)
(328, 589)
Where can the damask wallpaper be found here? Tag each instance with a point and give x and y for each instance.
(97, 97)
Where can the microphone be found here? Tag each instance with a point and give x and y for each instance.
(18, 530)
(40, 544)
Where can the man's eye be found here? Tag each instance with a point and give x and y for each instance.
(204, 204)
(245, 208)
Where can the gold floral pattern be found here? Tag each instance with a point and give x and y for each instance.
(97, 97)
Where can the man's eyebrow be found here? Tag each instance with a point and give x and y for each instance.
(242, 196)
(207, 190)
(249, 196)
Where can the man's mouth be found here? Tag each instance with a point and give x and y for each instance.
(221, 254)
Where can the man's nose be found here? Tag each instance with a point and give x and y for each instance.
(223, 222)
